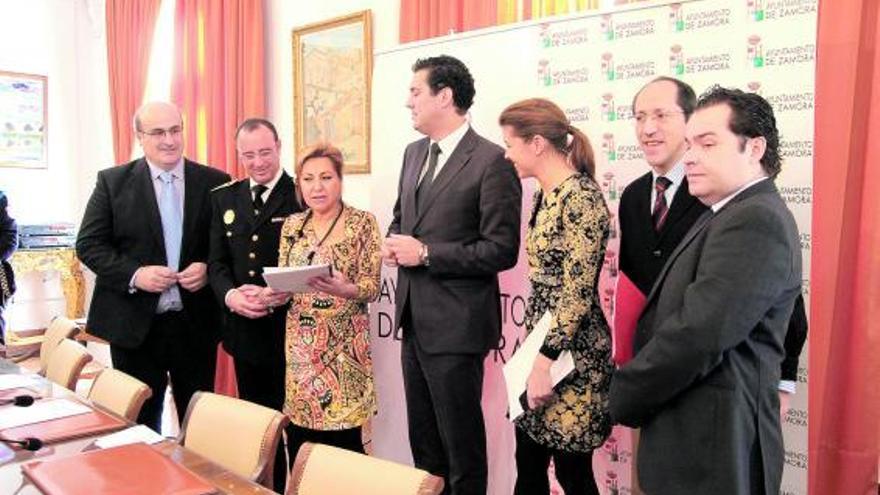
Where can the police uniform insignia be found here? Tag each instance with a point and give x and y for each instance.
(228, 217)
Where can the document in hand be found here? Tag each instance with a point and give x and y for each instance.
(294, 278)
(519, 366)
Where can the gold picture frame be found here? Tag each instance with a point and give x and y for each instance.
(332, 69)
(23, 120)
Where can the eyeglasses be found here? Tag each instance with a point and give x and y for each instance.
(162, 133)
(264, 153)
(659, 116)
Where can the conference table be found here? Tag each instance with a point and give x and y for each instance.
(13, 481)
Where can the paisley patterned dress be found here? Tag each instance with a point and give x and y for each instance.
(329, 381)
(566, 248)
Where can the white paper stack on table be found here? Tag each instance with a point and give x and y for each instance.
(519, 366)
(43, 410)
(294, 278)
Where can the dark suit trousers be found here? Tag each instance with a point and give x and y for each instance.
(263, 384)
(167, 352)
(447, 434)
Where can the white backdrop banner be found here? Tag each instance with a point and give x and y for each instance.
(591, 66)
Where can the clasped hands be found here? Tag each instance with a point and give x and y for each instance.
(158, 278)
(401, 250)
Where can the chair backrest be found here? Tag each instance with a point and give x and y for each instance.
(325, 470)
(59, 329)
(67, 361)
(119, 393)
(240, 436)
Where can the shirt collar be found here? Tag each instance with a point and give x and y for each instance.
(674, 174)
(269, 185)
(450, 142)
(155, 171)
(717, 206)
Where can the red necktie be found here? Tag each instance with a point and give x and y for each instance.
(660, 206)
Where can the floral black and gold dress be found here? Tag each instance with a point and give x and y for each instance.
(566, 248)
(329, 380)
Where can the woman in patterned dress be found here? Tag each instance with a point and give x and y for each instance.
(566, 247)
(329, 385)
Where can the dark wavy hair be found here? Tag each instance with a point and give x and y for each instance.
(750, 116)
(449, 72)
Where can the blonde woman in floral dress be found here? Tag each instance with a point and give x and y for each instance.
(329, 384)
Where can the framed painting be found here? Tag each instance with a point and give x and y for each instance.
(23, 114)
(332, 68)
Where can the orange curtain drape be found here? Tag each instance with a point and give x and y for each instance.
(130, 25)
(421, 19)
(218, 76)
(844, 395)
(218, 81)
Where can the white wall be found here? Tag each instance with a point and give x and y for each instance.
(281, 18)
(63, 40)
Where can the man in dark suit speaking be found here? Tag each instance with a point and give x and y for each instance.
(456, 225)
(703, 383)
(145, 235)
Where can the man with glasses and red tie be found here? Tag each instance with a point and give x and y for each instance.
(657, 210)
(145, 235)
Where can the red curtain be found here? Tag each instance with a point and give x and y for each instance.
(130, 25)
(218, 81)
(844, 401)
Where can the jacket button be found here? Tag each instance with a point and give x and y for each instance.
(255, 238)
(228, 234)
(251, 273)
(657, 253)
(252, 255)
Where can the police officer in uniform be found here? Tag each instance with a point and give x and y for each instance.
(245, 229)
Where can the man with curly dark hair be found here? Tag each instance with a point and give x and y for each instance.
(703, 383)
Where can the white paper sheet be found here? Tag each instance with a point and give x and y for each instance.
(519, 366)
(42, 410)
(294, 278)
(135, 434)
(15, 380)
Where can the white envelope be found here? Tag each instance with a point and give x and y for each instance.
(519, 366)
(294, 278)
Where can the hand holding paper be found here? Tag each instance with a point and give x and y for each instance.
(294, 279)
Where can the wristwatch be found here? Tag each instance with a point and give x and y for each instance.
(424, 260)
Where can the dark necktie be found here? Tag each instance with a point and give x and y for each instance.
(423, 192)
(660, 206)
(258, 190)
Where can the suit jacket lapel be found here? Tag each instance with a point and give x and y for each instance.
(456, 161)
(279, 193)
(410, 183)
(146, 195)
(698, 227)
(193, 196)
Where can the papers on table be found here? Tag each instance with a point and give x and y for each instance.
(135, 434)
(15, 380)
(43, 410)
(519, 366)
(294, 278)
